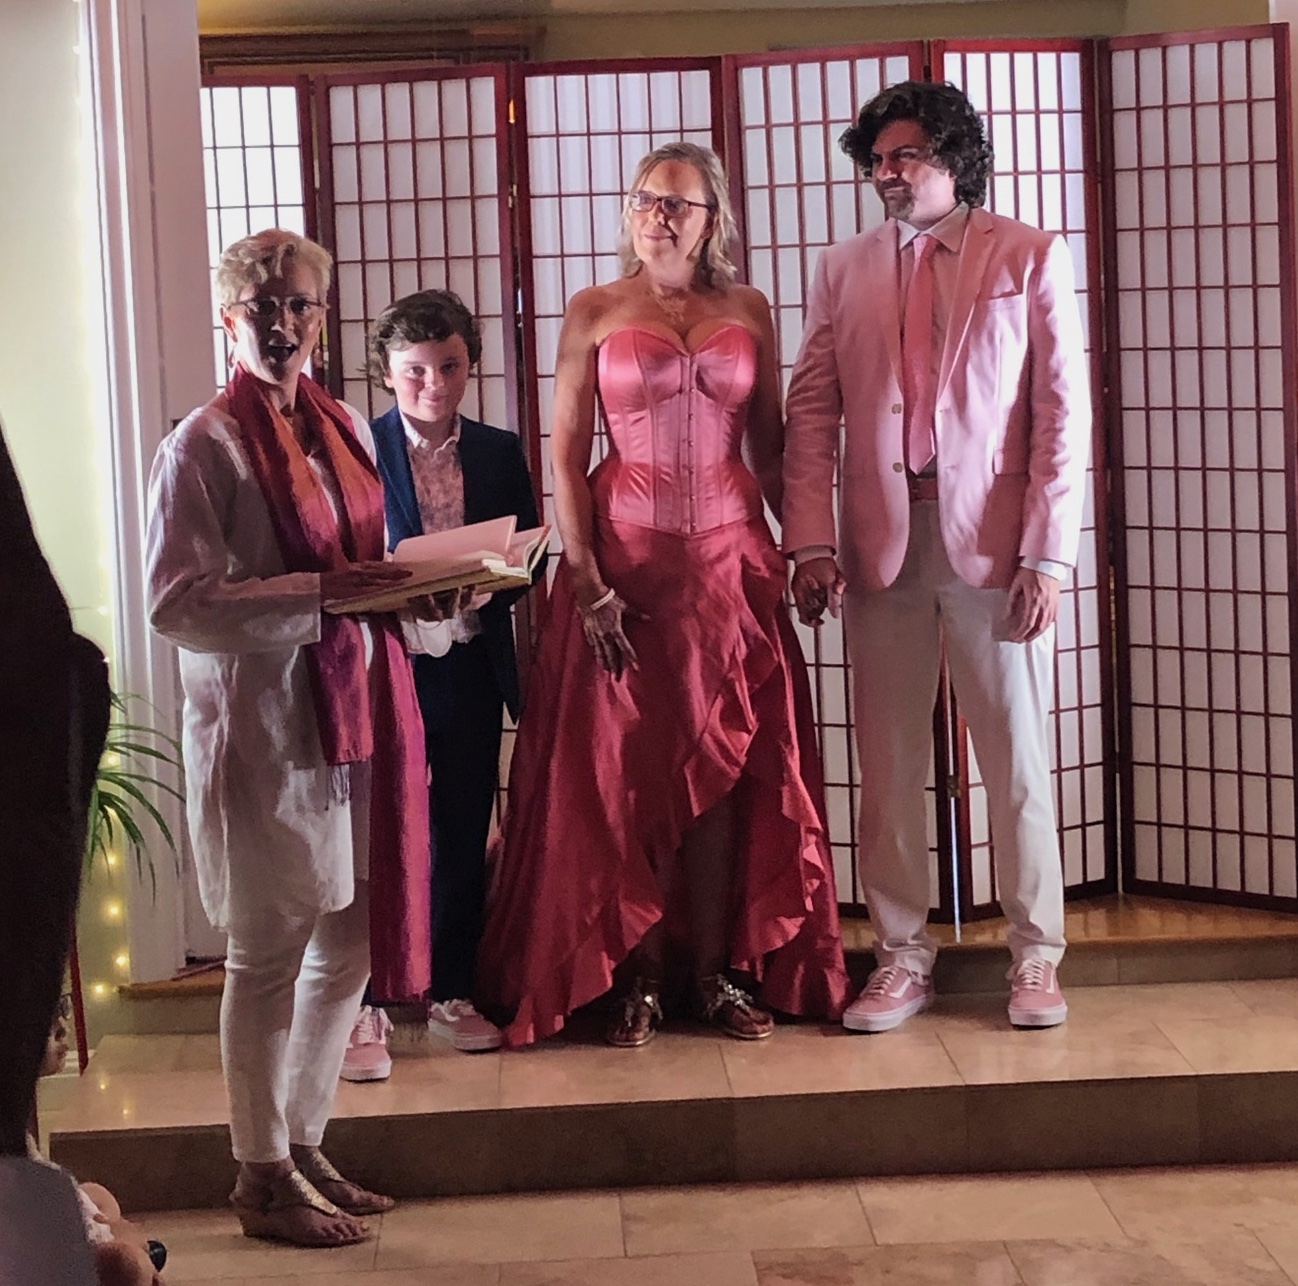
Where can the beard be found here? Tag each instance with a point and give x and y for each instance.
(898, 201)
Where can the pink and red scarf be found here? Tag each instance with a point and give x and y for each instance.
(362, 714)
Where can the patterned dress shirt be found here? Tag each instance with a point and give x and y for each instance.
(439, 490)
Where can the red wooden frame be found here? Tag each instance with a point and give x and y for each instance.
(326, 197)
(304, 142)
(1179, 823)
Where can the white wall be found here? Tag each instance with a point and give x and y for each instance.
(82, 441)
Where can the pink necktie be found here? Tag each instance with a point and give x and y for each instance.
(917, 358)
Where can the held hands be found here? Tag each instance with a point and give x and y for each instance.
(360, 578)
(1033, 605)
(448, 604)
(602, 624)
(817, 584)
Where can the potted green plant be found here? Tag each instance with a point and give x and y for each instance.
(137, 760)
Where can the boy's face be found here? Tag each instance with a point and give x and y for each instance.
(429, 380)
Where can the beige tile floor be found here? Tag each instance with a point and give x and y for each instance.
(1218, 1226)
(1164, 1029)
(1229, 1226)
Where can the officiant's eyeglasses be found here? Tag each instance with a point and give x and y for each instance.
(266, 307)
(641, 202)
(899, 156)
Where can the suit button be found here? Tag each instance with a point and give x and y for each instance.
(899, 467)
(896, 408)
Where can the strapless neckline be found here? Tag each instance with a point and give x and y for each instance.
(673, 340)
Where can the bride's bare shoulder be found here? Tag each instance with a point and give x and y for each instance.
(751, 302)
(588, 305)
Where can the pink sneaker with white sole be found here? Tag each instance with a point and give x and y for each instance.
(1035, 997)
(367, 1057)
(892, 994)
(460, 1023)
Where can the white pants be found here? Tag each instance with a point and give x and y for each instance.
(292, 992)
(895, 638)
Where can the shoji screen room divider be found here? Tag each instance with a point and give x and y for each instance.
(1199, 250)
(1165, 162)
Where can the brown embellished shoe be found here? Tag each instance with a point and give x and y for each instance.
(732, 1010)
(636, 1016)
(288, 1207)
(346, 1195)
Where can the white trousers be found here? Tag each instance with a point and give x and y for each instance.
(895, 639)
(292, 991)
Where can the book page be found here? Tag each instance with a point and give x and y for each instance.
(489, 539)
(524, 547)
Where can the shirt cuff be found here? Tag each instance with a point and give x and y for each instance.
(427, 638)
(808, 552)
(1060, 571)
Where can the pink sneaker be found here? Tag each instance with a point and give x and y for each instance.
(367, 1057)
(460, 1023)
(891, 995)
(1035, 998)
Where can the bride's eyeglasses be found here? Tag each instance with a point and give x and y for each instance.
(674, 207)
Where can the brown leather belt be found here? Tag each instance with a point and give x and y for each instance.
(922, 488)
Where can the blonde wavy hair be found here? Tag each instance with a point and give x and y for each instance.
(254, 260)
(715, 264)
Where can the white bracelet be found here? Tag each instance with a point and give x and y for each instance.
(602, 601)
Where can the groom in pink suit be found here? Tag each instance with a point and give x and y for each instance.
(948, 344)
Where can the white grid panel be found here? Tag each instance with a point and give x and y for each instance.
(585, 132)
(415, 202)
(1200, 190)
(252, 163)
(1035, 108)
(801, 194)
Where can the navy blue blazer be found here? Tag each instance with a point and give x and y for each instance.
(496, 483)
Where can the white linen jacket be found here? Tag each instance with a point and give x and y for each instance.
(267, 832)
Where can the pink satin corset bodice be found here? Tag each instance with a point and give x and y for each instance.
(676, 420)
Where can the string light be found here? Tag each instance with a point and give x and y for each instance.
(99, 990)
(111, 858)
(123, 961)
(112, 910)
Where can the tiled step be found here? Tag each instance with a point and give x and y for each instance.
(1149, 1075)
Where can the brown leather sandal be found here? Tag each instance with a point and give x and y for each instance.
(732, 1010)
(636, 1016)
(349, 1197)
(261, 1207)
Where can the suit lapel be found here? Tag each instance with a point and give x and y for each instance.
(974, 254)
(394, 465)
(880, 266)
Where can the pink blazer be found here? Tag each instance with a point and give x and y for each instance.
(1013, 408)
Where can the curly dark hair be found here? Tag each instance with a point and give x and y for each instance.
(949, 119)
(427, 314)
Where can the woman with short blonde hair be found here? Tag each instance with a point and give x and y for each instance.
(302, 742)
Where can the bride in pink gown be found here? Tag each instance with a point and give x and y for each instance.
(665, 786)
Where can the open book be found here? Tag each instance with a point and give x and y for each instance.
(486, 556)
